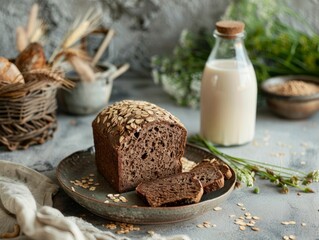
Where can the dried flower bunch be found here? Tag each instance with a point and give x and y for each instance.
(247, 169)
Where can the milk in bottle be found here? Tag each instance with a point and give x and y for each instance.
(228, 89)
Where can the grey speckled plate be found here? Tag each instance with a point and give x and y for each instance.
(82, 163)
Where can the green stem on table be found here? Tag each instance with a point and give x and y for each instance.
(246, 169)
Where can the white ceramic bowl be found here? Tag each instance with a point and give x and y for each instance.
(87, 97)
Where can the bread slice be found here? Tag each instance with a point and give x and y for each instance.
(180, 189)
(209, 175)
(136, 141)
(220, 165)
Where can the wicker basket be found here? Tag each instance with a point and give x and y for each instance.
(27, 112)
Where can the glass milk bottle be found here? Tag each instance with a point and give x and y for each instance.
(228, 89)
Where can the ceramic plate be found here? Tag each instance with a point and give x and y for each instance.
(82, 164)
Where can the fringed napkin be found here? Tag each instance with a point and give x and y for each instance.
(26, 210)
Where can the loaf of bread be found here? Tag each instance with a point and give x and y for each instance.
(136, 141)
(175, 190)
(9, 73)
(209, 175)
(31, 58)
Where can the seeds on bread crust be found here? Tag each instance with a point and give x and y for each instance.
(132, 115)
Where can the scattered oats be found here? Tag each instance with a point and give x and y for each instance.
(151, 233)
(97, 184)
(110, 226)
(106, 201)
(214, 225)
(303, 224)
(92, 188)
(116, 200)
(285, 238)
(241, 217)
(116, 195)
(247, 214)
(207, 225)
(240, 204)
(292, 237)
(73, 190)
(248, 217)
(206, 222)
(255, 229)
(250, 224)
(109, 195)
(91, 174)
(242, 224)
(217, 208)
(256, 218)
(91, 180)
(278, 154)
(232, 216)
(242, 228)
(200, 225)
(288, 223)
(243, 208)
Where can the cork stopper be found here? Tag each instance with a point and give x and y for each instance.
(229, 27)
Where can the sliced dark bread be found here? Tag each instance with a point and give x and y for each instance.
(220, 165)
(209, 175)
(180, 189)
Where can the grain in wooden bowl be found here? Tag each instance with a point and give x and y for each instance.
(292, 97)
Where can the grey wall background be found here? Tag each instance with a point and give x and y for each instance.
(143, 27)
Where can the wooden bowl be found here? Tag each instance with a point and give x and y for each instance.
(291, 107)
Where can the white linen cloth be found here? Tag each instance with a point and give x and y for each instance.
(26, 212)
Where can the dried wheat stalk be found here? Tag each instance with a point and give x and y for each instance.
(32, 21)
(33, 32)
(83, 68)
(22, 39)
(103, 46)
(81, 27)
(47, 74)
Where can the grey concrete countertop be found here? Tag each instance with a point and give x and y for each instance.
(287, 143)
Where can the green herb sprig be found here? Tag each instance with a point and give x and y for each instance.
(247, 170)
